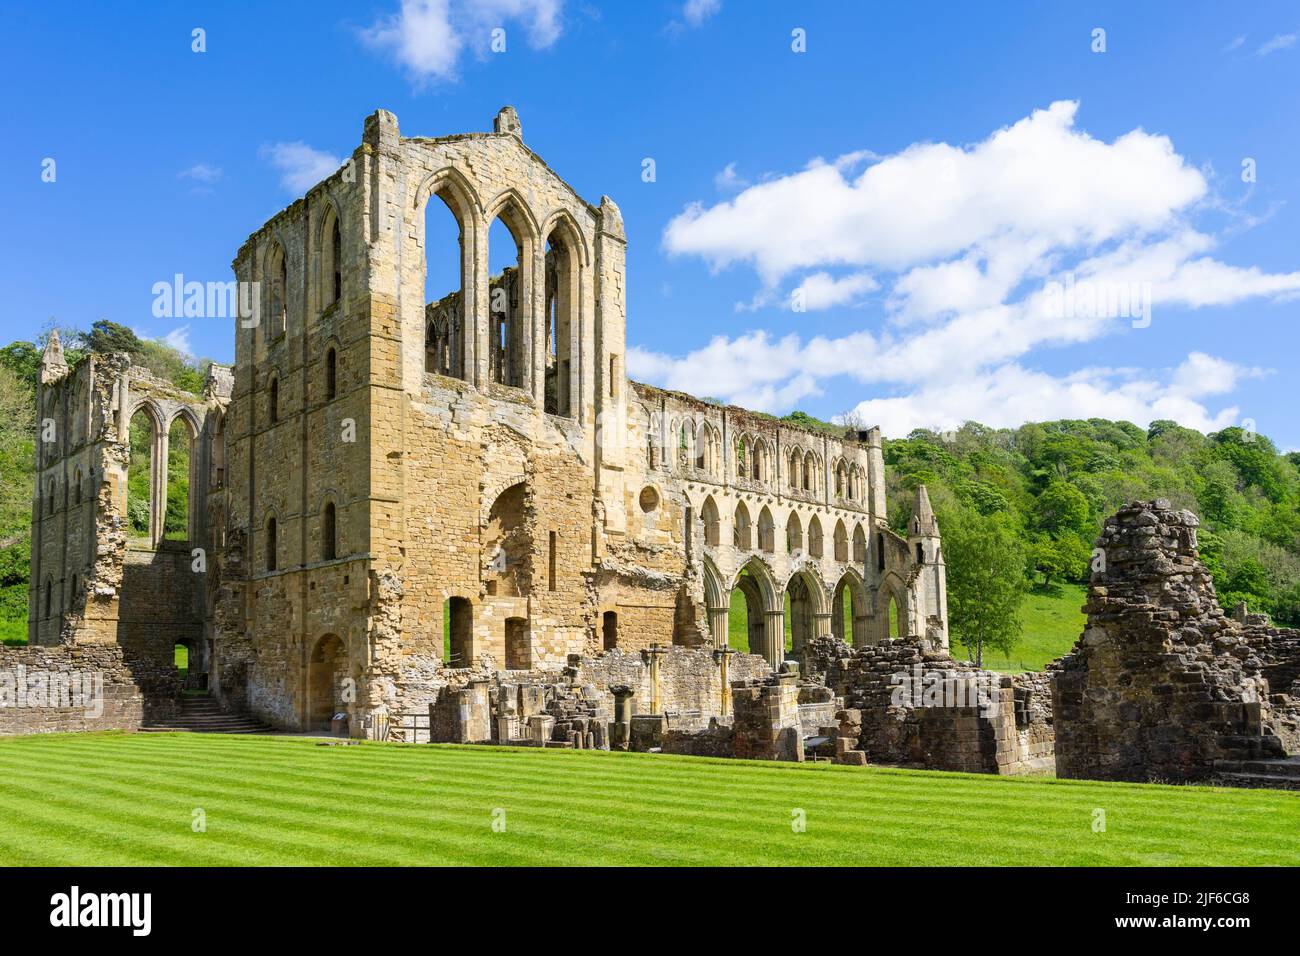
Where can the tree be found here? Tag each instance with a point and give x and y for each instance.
(986, 581)
(1062, 509)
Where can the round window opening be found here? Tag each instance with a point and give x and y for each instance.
(649, 499)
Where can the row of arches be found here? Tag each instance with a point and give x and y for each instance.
(743, 537)
(530, 322)
(697, 446)
(757, 616)
(161, 471)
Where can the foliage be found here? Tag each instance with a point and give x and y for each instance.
(986, 581)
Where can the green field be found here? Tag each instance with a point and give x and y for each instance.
(113, 799)
(1051, 621)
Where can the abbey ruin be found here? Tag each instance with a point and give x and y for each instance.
(448, 515)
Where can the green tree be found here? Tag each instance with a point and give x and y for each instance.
(1062, 509)
(986, 581)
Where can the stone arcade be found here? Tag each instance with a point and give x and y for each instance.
(378, 471)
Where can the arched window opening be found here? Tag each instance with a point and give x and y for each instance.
(815, 538)
(562, 296)
(273, 401)
(328, 533)
(741, 537)
(336, 262)
(709, 514)
(759, 470)
(180, 461)
(766, 531)
(458, 632)
(139, 479)
(745, 618)
(742, 458)
(507, 307)
(841, 542)
(277, 269)
(920, 553)
(793, 534)
(49, 597)
(609, 630)
(77, 487)
(272, 546)
(859, 545)
(880, 551)
(796, 468)
(808, 472)
(444, 259)
(331, 375)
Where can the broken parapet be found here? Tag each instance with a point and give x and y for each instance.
(1162, 684)
(766, 725)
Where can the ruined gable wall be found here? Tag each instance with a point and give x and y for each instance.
(1161, 684)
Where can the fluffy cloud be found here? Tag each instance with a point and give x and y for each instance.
(1039, 236)
(300, 166)
(427, 37)
(695, 12)
(1283, 41)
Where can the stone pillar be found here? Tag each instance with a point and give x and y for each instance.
(620, 731)
(723, 656)
(774, 637)
(473, 713)
(718, 621)
(651, 657)
(822, 625)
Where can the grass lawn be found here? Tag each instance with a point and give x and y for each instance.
(113, 799)
(13, 631)
(1051, 621)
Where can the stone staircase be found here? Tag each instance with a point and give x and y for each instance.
(203, 715)
(1282, 773)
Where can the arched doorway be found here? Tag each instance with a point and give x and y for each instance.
(804, 599)
(849, 610)
(754, 622)
(457, 632)
(326, 671)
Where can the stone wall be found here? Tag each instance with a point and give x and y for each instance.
(1162, 683)
(922, 708)
(113, 691)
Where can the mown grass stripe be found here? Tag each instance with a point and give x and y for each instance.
(290, 801)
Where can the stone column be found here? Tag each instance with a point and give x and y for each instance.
(822, 624)
(620, 731)
(652, 658)
(723, 656)
(774, 637)
(475, 301)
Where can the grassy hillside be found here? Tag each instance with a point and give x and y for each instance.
(133, 799)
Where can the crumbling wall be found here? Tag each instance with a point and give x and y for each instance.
(1162, 683)
(921, 708)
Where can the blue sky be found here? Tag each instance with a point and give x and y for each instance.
(878, 222)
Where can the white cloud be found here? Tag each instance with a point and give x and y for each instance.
(1008, 395)
(969, 243)
(300, 166)
(1236, 44)
(1283, 41)
(695, 12)
(202, 172)
(179, 339)
(729, 180)
(822, 291)
(1037, 178)
(427, 37)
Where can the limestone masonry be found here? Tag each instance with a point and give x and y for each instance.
(398, 502)
(454, 518)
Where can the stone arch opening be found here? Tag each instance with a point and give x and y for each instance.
(331, 374)
(141, 477)
(506, 545)
(181, 439)
(848, 609)
(326, 671)
(609, 630)
(331, 287)
(814, 537)
(796, 467)
(273, 400)
(562, 296)
(458, 632)
(766, 531)
(328, 533)
(841, 542)
(741, 534)
(717, 604)
(794, 534)
(859, 545)
(446, 263)
(803, 605)
(510, 250)
(277, 273)
(712, 522)
(519, 645)
(272, 558)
